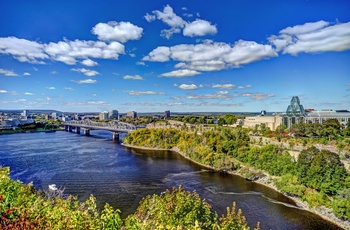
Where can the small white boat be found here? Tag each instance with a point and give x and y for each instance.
(53, 187)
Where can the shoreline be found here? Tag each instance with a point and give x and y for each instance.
(322, 212)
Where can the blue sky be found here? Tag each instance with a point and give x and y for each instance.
(182, 56)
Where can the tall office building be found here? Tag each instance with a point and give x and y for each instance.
(113, 114)
(167, 114)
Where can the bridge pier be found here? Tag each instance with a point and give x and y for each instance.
(115, 136)
(77, 130)
(87, 132)
(70, 128)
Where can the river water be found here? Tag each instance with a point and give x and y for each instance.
(121, 176)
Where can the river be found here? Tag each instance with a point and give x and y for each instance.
(120, 176)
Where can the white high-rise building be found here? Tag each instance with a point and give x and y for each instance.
(103, 115)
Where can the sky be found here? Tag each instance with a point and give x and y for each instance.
(177, 55)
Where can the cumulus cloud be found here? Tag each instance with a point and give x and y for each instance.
(26, 74)
(159, 54)
(212, 56)
(137, 93)
(86, 72)
(117, 31)
(87, 81)
(28, 93)
(180, 73)
(68, 88)
(9, 73)
(89, 62)
(313, 37)
(51, 88)
(150, 17)
(171, 19)
(189, 87)
(135, 77)
(224, 86)
(66, 51)
(23, 50)
(199, 28)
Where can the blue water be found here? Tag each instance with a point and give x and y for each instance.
(121, 176)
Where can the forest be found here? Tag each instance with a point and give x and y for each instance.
(317, 176)
(23, 207)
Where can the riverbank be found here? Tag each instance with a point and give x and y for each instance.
(31, 131)
(267, 181)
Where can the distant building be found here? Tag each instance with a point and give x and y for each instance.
(54, 115)
(131, 114)
(167, 114)
(295, 113)
(103, 116)
(270, 121)
(25, 113)
(113, 114)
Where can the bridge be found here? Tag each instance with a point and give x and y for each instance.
(116, 127)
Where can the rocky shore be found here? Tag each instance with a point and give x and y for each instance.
(323, 212)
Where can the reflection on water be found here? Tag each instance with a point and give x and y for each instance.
(120, 176)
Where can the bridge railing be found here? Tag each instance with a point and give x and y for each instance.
(112, 125)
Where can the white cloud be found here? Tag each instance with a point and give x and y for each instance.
(87, 81)
(53, 72)
(150, 17)
(199, 28)
(51, 88)
(188, 87)
(9, 73)
(313, 38)
(159, 54)
(168, 17)
(212, 56)
(117, 31)
(64, 51)
(140, 63)
(29, 94)
(23, 50)
(180, 73)
(224, 86)
(26, 74)
(261, 96)
(137, 93)
(89, 62)
(135, 77)
(8, 92)
(68, 88)
(68, 51)
(86, 72)
(87, 103)
(222, 95)
(245, 86)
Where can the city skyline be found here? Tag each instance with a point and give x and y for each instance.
(174, 55)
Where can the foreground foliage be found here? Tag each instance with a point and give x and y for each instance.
(22, 207)
(318, 176)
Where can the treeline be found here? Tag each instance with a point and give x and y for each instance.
(318, 177)
(22, 207)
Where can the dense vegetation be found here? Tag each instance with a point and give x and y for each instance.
(318, 177)
(22, 207)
